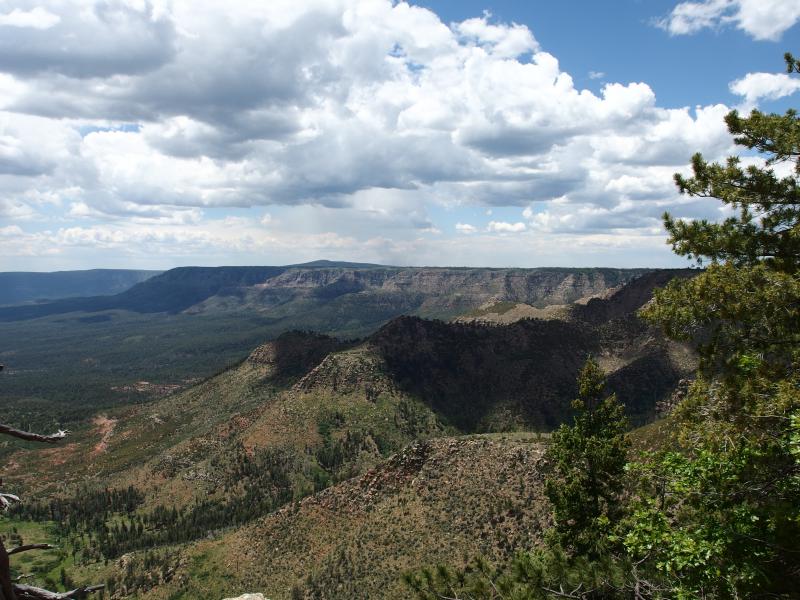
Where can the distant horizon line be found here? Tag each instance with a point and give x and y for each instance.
(323, 263)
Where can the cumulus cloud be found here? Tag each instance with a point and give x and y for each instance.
(466, 228)
(85, 39)
(770, 86)
(240, 237)
(503, 227)
(498, 40)
(761, 19)
(355, 118)
(37, 18)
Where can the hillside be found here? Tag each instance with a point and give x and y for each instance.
(425, 505)
(430, 290)
(22, 287)
(421, 376)
(72, 357)
(248, 457)
(173, 291)
(484, 378)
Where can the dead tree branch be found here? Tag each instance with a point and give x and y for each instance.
(33, 437)
(27, 592)
(7, 499)
(10, 589)
(27, 547)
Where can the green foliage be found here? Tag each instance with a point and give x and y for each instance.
(584, 556)
(720, 517)
(588, 461)
(538, 575)
(766, 228)
(744, 318)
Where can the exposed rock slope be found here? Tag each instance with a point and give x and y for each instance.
(440, 501)
(426, 290)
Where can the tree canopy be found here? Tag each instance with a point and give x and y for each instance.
(727, 516)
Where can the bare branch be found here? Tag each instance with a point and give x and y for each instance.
(27, 547)
(6, 500)
(27, 592)
(33, 437)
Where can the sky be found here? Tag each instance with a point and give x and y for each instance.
(155, 134)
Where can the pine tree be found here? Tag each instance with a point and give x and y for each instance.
(588, 461)
(583, 557)
(726, 520)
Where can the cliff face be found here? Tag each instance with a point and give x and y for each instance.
(531, 286)
(435, 292)
(522, 374)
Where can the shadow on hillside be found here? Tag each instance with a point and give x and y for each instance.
(482, 378)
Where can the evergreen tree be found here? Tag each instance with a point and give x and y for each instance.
(583, 556)
(588, 460)
(723, 517)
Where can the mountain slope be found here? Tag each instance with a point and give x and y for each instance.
(427, 504)
(245, 456)
(172, 291)
(412, 378)
(430, 289)
(21, 287)
(72, 357)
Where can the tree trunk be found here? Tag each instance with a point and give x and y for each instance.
(6, 588)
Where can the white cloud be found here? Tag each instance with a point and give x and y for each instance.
(596, 74)
(10, 231)
(503, 227)
(240, 237)
(465, 228)
(352, 119)
(771, 86)
(85, 39)
(761, 19)
(37, 18)
(499, 40)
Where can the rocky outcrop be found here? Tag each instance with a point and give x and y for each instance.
(293, 353)
(629, 298)
(439, 287)
(358, 370)
(520, 375)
